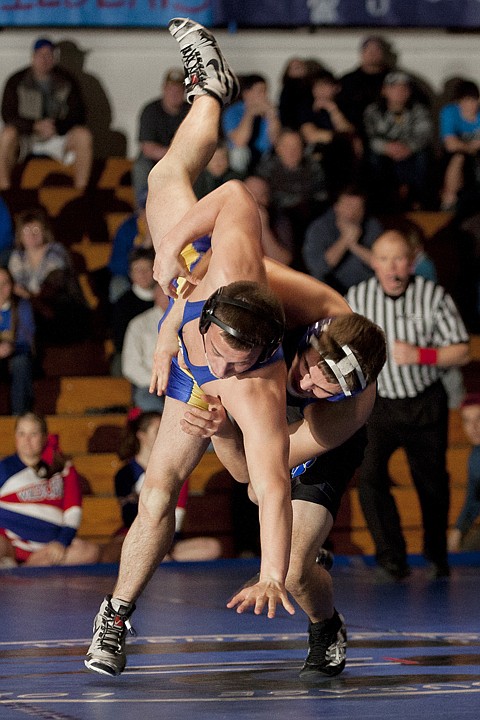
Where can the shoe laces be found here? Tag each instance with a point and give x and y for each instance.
(112, 631)
(193, 64)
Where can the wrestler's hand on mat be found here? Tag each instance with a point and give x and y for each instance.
(267, 593)
(204, 423)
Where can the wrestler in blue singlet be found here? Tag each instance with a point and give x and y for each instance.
(184, 385)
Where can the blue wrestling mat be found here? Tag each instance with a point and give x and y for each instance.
(414, 648)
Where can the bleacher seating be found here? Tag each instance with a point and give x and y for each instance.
(77, 393)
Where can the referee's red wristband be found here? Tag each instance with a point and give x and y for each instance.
(427, 356)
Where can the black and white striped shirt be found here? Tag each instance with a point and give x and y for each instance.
(425, 315)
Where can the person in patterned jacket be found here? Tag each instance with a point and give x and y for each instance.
(40, 502)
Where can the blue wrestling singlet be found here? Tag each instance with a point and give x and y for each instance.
(184, 385)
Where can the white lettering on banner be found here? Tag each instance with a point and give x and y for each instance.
(377, 8)
(323, 12)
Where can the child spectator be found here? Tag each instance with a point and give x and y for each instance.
(135, 448)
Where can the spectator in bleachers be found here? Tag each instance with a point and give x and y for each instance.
(251, 125)
(296, 181)
(337, 247)
(363, 85)
(17, 334)
(134, 301)
(399, 134)
(296, 92)
(132, 233)
(425, 336)
(217, 172)
(328, 134)
(159, 121)
(41, 502)
(465, 535)
(44, 114)
(138, 350)
(460, 136)
(136, 445)
(277, 233)
(6, 233)
(43, 273)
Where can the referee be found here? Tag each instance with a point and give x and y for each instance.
(425, 335)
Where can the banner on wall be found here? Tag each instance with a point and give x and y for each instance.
(241, 13)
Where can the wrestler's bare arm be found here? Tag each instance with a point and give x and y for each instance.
(257, 403)
(304, 298)
(327, 425)
(231, 215)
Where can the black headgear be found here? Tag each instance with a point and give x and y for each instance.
(208, 317)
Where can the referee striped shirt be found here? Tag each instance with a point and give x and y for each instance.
(425, 315)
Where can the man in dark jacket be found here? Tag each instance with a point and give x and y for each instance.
(44, 114)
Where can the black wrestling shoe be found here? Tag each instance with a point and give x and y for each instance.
(206, 70)
(106, 654)
(327, 642)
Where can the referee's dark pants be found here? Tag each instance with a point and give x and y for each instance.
(420, 426)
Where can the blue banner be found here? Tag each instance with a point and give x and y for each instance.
(102, 13)
(242, 13)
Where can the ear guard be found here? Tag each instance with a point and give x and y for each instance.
(340, 368)
(208, 317)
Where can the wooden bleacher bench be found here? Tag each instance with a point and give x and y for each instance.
(115, 173)
(54, 199)
(37, 170)
(208, 510)
(78, 433)
(79, 395)
(430, 222)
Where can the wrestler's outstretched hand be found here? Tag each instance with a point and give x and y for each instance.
(204, 423)
(267, 593)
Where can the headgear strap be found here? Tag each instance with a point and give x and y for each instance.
(344, 367)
